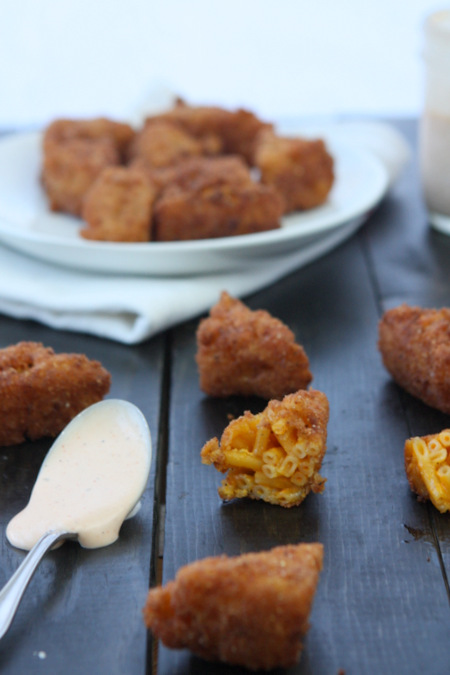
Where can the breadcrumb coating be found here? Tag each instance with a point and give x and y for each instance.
(415, 348)
(275, 455)
(40, 391)
(248, 353)
(251, 610)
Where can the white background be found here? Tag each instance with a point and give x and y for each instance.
(280, 58)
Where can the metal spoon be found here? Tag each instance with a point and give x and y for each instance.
(12, 592)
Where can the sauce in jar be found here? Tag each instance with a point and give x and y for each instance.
(435, 122)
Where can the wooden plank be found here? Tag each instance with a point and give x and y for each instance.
(381, 604)
(82, 611)
(409, 262)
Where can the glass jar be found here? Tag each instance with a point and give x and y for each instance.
(435, 121)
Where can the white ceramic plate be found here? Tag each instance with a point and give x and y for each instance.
(27, 225)
(439, 222)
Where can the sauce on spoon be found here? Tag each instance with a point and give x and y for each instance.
(91, 479)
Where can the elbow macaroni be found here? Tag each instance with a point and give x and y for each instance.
(274, 455)
(427, 464)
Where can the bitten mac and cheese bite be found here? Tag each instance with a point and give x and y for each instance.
(274, 455)
(427, 464)
(251, 610)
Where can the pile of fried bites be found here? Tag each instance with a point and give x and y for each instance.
(193, 172)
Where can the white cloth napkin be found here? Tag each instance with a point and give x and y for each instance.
(131, 309)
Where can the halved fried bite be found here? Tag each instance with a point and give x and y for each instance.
(119, 206)
(225, 209)
(274, 455)
(70, 168)
(300, 169)
(415, 347)
(251, 610)
(241, 352)
(40, 391)
(427, 465)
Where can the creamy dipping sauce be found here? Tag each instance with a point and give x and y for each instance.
(91, 479)
(435, 161)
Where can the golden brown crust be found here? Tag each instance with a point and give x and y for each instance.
(40, 391)
(300, 169)
(276, 455)
(119, 206)
(251, 610)
(415, 347)
(241, 352)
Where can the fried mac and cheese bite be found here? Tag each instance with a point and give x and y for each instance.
(162, 144)
(206, 172)
(251, 610)
(300, 169)
(119, 206)
(63, 130)
(225, 209)
(237, 131)
(40, 391)
(415, 348)
(196, 173)
(183, 154)
(74, 154)
(427, 465)
(275, 455)
(248, 353)
(70, 168)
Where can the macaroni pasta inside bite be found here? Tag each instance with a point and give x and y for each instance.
(427, 464)
(274, 455)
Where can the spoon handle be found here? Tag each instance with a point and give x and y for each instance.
(12, 591)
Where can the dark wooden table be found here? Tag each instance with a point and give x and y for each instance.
(382, 604)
